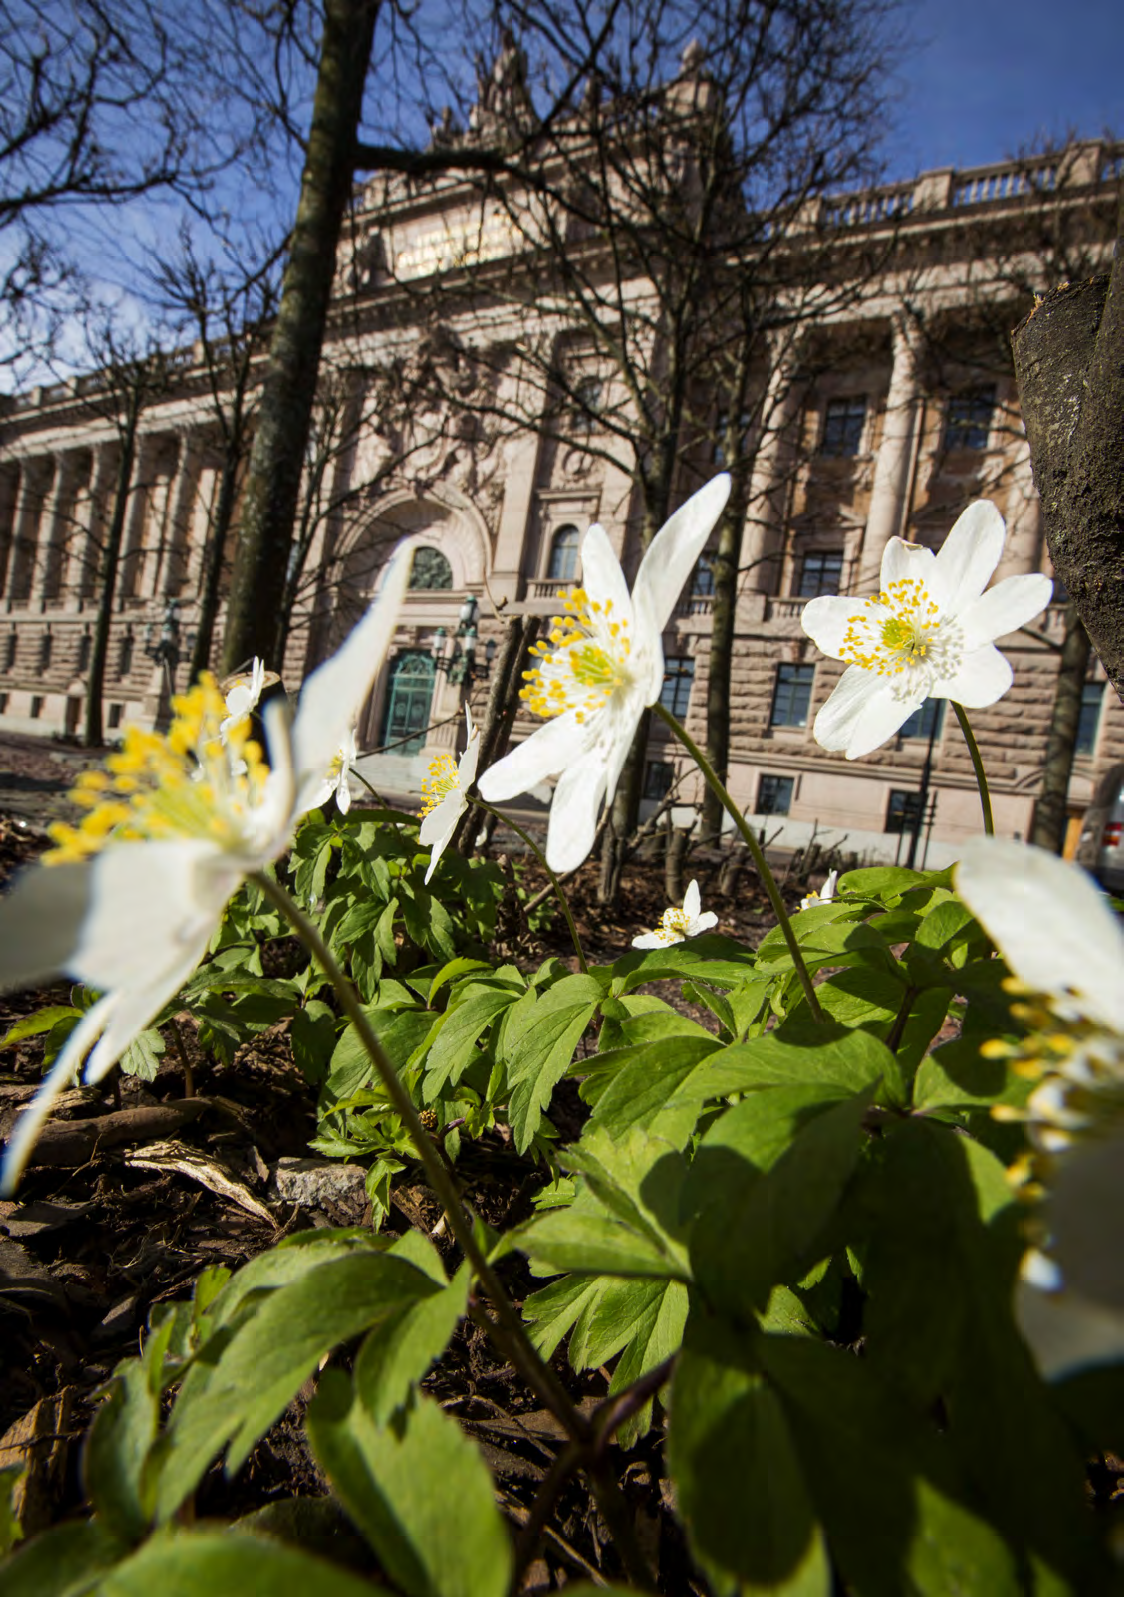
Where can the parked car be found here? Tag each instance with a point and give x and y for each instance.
(1100, 848)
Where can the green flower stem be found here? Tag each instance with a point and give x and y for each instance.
(757, 852)
(978, 766)
(516, 1346)
(554, 882)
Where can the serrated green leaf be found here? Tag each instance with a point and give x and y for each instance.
(767, 1178)
(540, 1036)
(399, 1351)
(463, 1024)
(117, 1451)
(43, 1020)
(66, 1561)
(740, 1486)
(142, 1057)
(584, 1244)
(312, 1038)
(418, 1490)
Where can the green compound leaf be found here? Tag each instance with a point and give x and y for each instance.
(215, 1564)
(766, 1180)
(66, 1561)
(249, 1377)
(417, 1489)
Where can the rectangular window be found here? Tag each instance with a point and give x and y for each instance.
(11, 644)
(36, 706)
(922, 721)
(46, 648)
(792, 695)
(903, 811)
(84, 648)
(843, 423)
(113, 719)
(968, 418)
(658, 778)
(702, 583)
(820, 573)
(4, 697)
(679, 673)
(774, 794)
(125, 655)
(1089, 721)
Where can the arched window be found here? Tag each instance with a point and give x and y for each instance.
(430, 569)
(563, 555)
(406, 715)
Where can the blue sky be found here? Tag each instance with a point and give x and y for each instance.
(984, 77)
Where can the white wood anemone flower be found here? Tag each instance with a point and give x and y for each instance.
(334, 781)
(175, 823)
(928, 633)
(676, 925)
(242, 698)
(443, 791)
(1066, 951)
(602, 665)
(823, 897)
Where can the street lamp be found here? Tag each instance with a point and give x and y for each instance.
(456, 656)
(166, 650)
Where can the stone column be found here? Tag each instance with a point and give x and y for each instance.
(55, 530)
(891, 472)
(132, 550)
(763, 539)
(171, 579)
(87, 554)
(34, 488)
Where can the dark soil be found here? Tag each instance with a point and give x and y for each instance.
(96, 1239)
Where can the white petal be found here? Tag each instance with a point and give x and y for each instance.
(151, 906)
(548, 750)
(573, 815)
(442, 818)
(861, 714)
(901, 560)
(653, 940)
(63, 1071)
(1050, 922)
(672, 554)
(983, 678)
(334, 694)
(1005, 608)
(440, 844)
(703, 923)
(692, 901)
(40, 917)
(602, 577)
(343, 793)
(969, 555)
(469, 760)
(826, 620)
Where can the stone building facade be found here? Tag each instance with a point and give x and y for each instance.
(887, 440)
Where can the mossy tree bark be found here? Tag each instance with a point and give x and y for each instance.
(1049, 824)
(289, 385)
(1069, 360)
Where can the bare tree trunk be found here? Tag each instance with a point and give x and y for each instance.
(212, 569)
(1069, 360)
(272, 487)
(93, 734)
(1048, 826)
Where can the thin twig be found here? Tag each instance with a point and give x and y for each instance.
(977, 766)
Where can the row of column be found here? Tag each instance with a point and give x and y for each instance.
(56, 510)
(894, 471)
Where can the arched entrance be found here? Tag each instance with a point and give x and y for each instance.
(408, 699)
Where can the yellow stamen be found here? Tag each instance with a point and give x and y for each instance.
(444, 778)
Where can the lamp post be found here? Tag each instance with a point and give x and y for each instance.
(456, 655)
